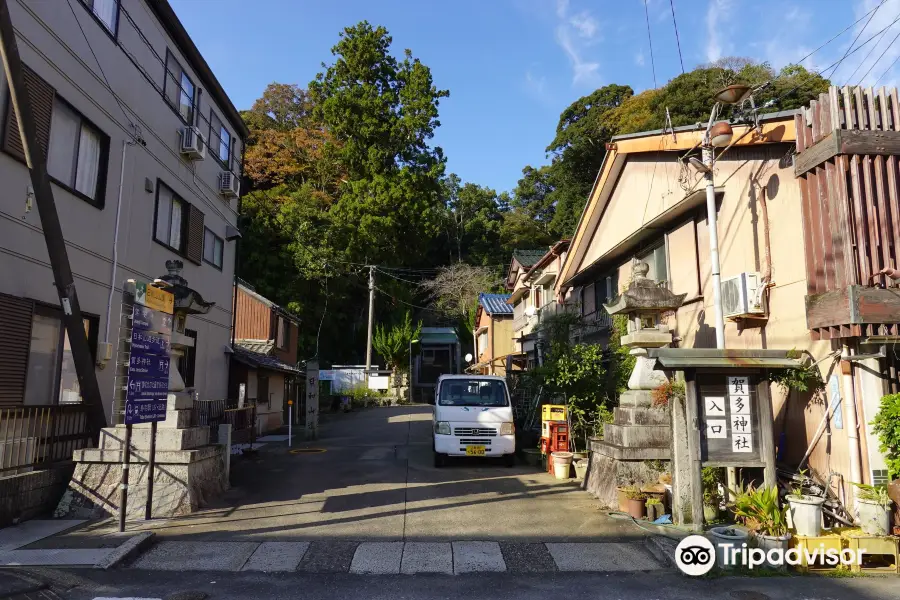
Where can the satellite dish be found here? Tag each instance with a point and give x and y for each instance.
(469, 357)
(530, 311)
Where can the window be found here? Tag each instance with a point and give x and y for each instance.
(179, 89)
(656, 259)
(482, 343)
(605, 289)
(77, 155)
(51, 376)
(473, 392)
(106, 11)
(187, 362)
(281, 333)
(213, 247)
(170, 210)
(218, 132)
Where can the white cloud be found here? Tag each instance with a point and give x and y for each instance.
(574, 33)
(639, 59)
(535, 83)
(873, 62)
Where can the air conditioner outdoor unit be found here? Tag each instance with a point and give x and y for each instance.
(193, 145)
(229, 184)
(742, 296)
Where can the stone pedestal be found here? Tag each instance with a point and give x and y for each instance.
(639, 432)
(190, 468)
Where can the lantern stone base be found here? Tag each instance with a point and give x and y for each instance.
(639, 432)
(189, 470)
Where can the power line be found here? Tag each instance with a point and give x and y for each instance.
(677, 39)
(652, 63)
(888, 47)
(866, 57)
(837, 35)
(850, 47)
(886, 70)
(99, 66)
(392, 297)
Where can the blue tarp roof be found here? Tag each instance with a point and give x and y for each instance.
(495, 304)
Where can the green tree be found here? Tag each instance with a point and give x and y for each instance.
(473, 216)
(392, 343)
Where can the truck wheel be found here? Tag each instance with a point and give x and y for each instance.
(439, 460)
(509, 460)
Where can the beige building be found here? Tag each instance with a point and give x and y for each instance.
(144, 150)
(648, 203)
(493, 335)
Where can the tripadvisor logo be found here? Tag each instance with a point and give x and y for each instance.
(695, 555)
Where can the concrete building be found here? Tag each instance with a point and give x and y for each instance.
(492, 335)
(144, 149)
(265, 357)
(649, 204)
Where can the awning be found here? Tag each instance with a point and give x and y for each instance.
(650, 231)
(517, 295)
(686, 358)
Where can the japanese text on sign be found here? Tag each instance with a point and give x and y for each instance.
(153, 297)
(739, 419)
(147, 319)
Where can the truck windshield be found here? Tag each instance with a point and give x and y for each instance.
(473, 392)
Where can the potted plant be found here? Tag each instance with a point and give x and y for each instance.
(655, 508)
(622, 496)
(806, 510)
(886, 425)
(873, 506)
(636, 499)
(711, 478)
(581, 467)
(724, 538)
(760, 512)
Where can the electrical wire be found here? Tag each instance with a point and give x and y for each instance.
(100, 67)
(880, 77)
(850, 47)
(392, 297)
(677, 39)
(888, 47)
(866, 57)
(652, 63)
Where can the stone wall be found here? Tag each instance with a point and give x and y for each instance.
(27, 495)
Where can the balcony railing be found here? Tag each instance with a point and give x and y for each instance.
(34, 437)
(523, 321)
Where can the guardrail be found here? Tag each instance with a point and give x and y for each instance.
(34, 437)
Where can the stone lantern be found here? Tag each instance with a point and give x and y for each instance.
(644, 302)
(187, 302)
(637, 444)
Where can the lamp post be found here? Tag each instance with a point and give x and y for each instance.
(717, 135)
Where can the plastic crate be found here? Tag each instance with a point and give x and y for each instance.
(553, 412)
(830, 541)
(882, 553)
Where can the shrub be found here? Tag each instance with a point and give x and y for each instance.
(886, 426)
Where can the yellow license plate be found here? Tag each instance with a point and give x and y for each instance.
(474, 450)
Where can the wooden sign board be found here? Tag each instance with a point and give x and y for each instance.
(730, 419)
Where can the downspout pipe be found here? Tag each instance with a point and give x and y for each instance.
(115, 249)
(849, 380)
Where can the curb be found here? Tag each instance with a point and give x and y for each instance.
(661, 548)
(127, 550)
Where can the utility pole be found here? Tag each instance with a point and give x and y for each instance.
(53, 235)
(711, 214)
(371, 321)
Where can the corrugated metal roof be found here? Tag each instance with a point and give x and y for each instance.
(527, 258)
(495, 304)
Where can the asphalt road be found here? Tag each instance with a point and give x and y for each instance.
(87, 585)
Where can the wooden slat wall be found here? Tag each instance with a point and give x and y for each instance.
(850, 203)
(254, 318)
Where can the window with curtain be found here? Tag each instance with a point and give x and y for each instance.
(106, 11)
(178, 89)
(170, 209)
(77, 153)
(51, 377)
(213, 248)
(221, 138)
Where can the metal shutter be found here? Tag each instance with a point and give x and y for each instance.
(41, 95)
(194, 248)
(15, 343)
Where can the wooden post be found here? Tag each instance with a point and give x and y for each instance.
(692, 403)
(50, 225)
(148, 511)
(126, 463)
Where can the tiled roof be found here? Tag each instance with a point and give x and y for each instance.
(527, 258)
(257, 346)
(495, 304)
(262, 361)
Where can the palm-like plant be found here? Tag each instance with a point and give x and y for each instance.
(392, 343)
(759, 510)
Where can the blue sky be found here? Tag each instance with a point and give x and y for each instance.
(513, 65)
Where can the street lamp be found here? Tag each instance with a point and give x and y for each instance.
(718, 135)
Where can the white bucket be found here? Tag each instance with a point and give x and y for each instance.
(562, 463)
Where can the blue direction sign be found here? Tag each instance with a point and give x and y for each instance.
(144, 366)
(147, 319)
(146, 343)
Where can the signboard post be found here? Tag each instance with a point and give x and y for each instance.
(148, 343)
(312, 399)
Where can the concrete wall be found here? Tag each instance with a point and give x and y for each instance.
(51, 43)
(31, 494)
(742, 173)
